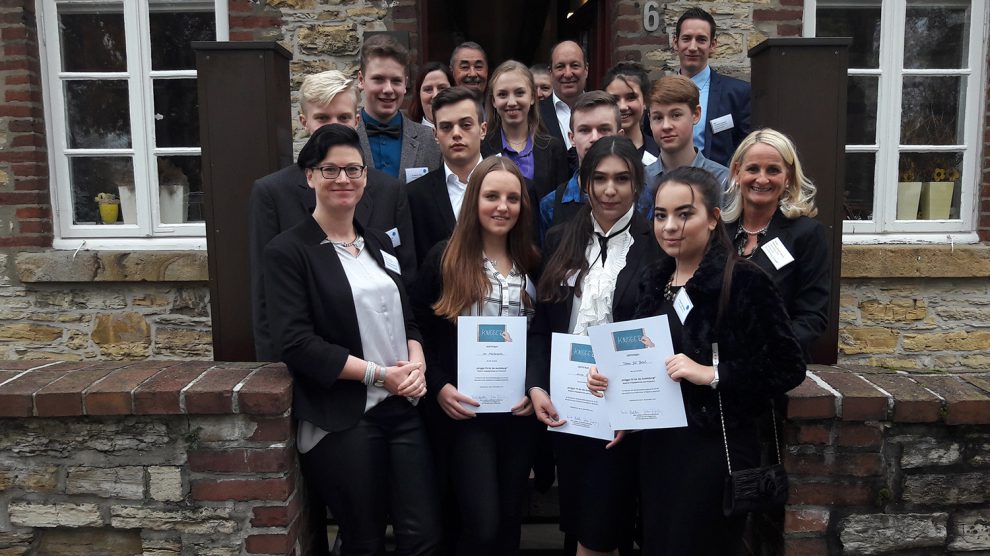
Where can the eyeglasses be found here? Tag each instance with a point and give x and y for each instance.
(352, 171)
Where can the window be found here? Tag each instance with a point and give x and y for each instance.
(123, 117)
(915, 97)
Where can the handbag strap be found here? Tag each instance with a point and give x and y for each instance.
(725, 437)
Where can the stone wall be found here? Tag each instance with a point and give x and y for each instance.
(153, 458)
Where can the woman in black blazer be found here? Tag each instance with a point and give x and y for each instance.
(483, 270)
(343, 326)
(582, 286)
(515, 129)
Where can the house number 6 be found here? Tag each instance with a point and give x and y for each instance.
(651, 15)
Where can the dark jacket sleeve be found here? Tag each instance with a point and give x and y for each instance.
(541, 332)
(809, 305)
(406, 252)
(263, 225)
(561, 169)
(436, 331)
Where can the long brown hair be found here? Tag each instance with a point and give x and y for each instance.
(461, 269)
(534, 123)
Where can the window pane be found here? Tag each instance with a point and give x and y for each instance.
(93, 40)
(171, 33)
(937, 193)
(930, 110)
(936, 37)
(176, 113)
(858, 202)
(93, 175)
(861, 116)
(98, 114)
(180, 189)
(862, 23)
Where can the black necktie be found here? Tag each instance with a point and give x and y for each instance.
(389, 130)
(603, 240)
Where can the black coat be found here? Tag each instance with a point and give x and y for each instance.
(550, 165)
(556, 317)
(283, 199)
(759, 357)
(314, 323)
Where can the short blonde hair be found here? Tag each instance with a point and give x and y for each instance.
(798, 198)
(319, 89)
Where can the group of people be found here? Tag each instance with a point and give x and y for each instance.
(493, 197)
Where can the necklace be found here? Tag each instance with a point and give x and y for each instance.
(345, 244)
(668, 290)
(521, 145)
(757, 232)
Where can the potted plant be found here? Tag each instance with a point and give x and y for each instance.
(908, 192)
(936, 195)
(109, 207)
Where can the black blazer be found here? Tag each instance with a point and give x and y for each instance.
(805, 284)
(432, 216)
(555, 317)
(549, 116)
(283, 199)
(550, 165)
(726, 95)
(314, 323)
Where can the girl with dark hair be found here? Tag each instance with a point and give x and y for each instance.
(591, 276)
(341, 322)
(734, 350)
(628, 83)
(516, 131)
(433, 77)
(483, 269)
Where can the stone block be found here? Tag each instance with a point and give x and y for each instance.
(961, 340)
(376, 12)
(977, 315)
(947, 489)
(221, 428)
(33, 334)
(929, 453)
(971, 531)
(165, 483)
(243, 489)
(861, 401)
(115, 482)
(126, 327)
(61, 438)
(855, 340)
(329, 40)
(199, 521)
(896, 310)
(161, 547)
(160, 394)
(43, 479)
(292, 4)
(192, 302)
(879, 533)
(911, 261)
(912, 402)
(54, 515)
(268, 391)
(183, 342)
(963, 362)
(15, 543)
(112, 266)
(894, 363)
(965, 404)
(90, 542)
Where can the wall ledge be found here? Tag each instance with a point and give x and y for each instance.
(56, 266)
(916, 261)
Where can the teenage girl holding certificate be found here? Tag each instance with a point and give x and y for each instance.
(484, 270)
(591, 276)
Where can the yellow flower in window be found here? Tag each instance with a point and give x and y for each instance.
(938, 174)
(907, 175)
(954, 175)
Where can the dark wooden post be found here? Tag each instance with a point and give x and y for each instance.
(245, 118)
(799, 88)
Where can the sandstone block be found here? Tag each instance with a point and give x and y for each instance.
(55, 515)
(38, 479)
(977, 314)
(89, 542)
(183, 342)
(150, 300)
(961, 340)
(879, 533)
(292, 4)
(895, 310)
(165, 483)
(330, 40)
(971, 531)
(926, 452)
(899, 363)
(192, 302)
(161, 547)
(910, 261)
(199, 521)
(854, 340)
(960, 488)
(960, 362)
(115, 482)
(33, 333)
(115, 328)
(376, 12)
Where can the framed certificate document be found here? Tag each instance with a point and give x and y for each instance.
(585, 414)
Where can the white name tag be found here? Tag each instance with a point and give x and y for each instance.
(722, 123)
(414, 173)
(683, 304)
(648, 158)
(777, 253)
(571, 280)
(393, 234)
(391, 263)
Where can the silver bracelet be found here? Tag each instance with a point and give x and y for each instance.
(369, 373)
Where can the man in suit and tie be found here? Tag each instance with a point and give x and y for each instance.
(569, 75)
(282, 199)
(398, 146)
(725, 101)
(469, 64)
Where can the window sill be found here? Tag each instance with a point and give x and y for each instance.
(916, 261)
(56, 266)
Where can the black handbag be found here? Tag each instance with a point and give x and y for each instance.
(756, 489)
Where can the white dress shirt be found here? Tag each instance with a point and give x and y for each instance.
(456, 188)
(563, 117)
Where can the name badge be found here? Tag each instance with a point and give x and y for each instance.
(571, 280)
(393, 234)
(391, 263)
(415, 173)
(722, 123)
(648, 158)
(777, 253)
(683, 304)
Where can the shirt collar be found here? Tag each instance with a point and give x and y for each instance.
(449, 174)
(507, 147)
(619, 224)
(573, 193)
(702, 77)
(396, 120)
(557, 101)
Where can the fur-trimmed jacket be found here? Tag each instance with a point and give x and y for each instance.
(759, 356)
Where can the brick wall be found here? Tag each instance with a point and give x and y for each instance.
(887, 462)
(25, 211)
(148, 458)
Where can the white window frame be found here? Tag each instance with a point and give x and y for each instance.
(139, 76)
(885, 228)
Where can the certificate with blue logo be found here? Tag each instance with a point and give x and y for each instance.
(633, 355)
(585, 415)
(491, 361)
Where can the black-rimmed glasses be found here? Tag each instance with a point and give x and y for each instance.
(352, 171)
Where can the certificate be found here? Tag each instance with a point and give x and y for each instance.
(491, 361)
(586, 414)
(632, 354)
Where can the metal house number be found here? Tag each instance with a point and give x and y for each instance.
(651, 15)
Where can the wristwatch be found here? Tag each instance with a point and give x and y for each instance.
(714, 382)
(380, 382)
